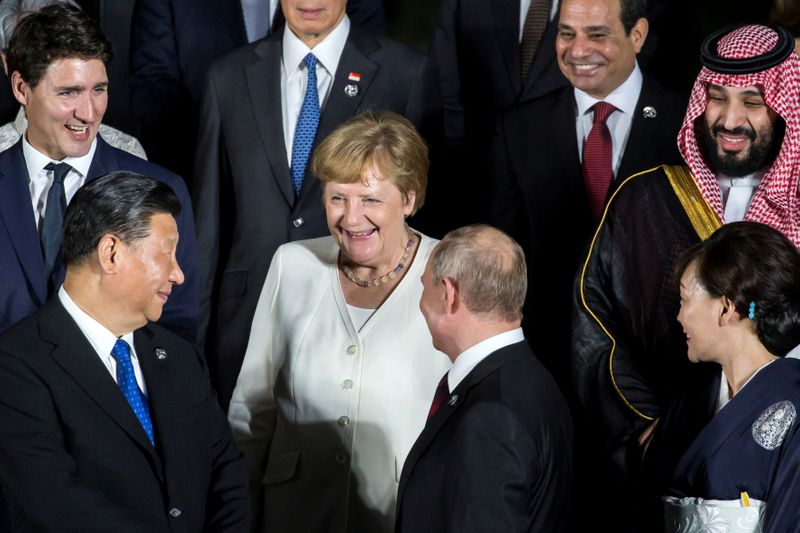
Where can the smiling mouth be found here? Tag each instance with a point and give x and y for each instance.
(360, 234)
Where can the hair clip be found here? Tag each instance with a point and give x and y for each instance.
(752, 311)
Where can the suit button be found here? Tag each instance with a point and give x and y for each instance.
(298, 222)
(341, 458)
(174, 512)
(352, 349)
(347, 384)
(344, 421)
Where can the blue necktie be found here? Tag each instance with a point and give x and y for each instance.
(127, 382)
(307, 122)
(54, 217)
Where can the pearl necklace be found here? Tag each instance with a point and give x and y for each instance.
(366, 284)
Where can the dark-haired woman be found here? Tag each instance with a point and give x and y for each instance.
(726, 457)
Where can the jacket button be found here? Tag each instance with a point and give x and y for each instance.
(298, 222)
(347, 384)
(344, 421)
(341, 458)
(352, 349)
(174, 512)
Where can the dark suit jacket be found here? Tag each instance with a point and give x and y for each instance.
(496, 457)
(173, 42)
(73, 456)
(243, 191)
(540, 199)
(23, 285)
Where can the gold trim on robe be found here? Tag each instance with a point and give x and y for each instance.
(704, 220)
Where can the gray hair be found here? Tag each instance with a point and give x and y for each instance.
(12, 10)
(488, 268)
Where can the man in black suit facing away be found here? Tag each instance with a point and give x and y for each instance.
(108, 422)
(554, 166)
(495, 453)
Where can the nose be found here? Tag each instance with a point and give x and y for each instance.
(580, 47)
(176, 274)
(85, 108)
(733, 115)
(352, 212)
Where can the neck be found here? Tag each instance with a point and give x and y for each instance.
(749, 357)
(85, 290)
(401, 253)
(475, 331)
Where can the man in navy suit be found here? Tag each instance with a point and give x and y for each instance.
(57, 61)
(496, 451)
(108, 422)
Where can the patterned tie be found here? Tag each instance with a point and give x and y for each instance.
(127, 382)
(307, 122)
(441, 394)
(597, 171)
(535, 22)
(54, 216)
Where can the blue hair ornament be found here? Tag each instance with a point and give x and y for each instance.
(752, 311)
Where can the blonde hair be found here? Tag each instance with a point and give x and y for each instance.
(375, 139)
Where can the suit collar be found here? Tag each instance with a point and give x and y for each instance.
(104, 160)
(506, 25)
(16, 212)
(648, 122)
(73, 353)
(504, 356)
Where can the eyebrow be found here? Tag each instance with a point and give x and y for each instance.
(748, 92)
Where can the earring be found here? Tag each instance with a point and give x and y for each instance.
(752, 311)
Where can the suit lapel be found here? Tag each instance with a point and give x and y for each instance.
(103, 161)
(16, 212)
(506, 22)
(644, 131)
(78, 358)
(565, 142)
(264, 84)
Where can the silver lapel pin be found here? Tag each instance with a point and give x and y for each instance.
(351, 90)
(649, 112)
(453, 400)
(161, 353)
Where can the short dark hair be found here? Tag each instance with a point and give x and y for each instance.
(752, 262)
(52, 33)
(630, 11)
(120, 203)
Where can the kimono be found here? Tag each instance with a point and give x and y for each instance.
(749, 446)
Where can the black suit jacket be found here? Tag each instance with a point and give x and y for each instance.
(173, 42)
(496, 457)
(73, 456)
(243, 190)
(23, 285)
(540, 199)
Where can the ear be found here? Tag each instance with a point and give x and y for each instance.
(728, 314)
(638, 34)
(411, 197)
(19, 87)
(451, 296)
(109, 253)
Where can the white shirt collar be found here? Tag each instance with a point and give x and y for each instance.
(101, 339)
(469, 359)
(751, 180)
(36, 160)
(328, 52)
(624, 97)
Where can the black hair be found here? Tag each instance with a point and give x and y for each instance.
(52, 33)
(752, 262)
(630, 11)
(119, 203)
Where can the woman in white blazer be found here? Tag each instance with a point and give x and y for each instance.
(340, 370)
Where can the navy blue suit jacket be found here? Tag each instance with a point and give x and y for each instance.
(23, 284)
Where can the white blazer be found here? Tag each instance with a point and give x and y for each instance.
(326, 415)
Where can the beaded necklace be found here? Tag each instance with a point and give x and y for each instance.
(366, 284)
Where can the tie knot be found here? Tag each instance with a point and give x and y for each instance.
(60, 170)
(602, 110)
(121, 350)
(310, 60)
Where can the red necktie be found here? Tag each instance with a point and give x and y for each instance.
(597, 172)
(441, 394)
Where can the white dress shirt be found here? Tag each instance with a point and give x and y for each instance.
(101, 339)
(469, 359)
(525, 5)
(40, 180)
(736, 194)
(294, 78)
(624, 98)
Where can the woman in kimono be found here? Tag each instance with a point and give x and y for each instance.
(726, 456)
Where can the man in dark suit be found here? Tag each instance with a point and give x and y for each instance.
(173, 44)
(540, 190)
(253, 190)
(496, 451)
(64, 100)
(108, 422)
